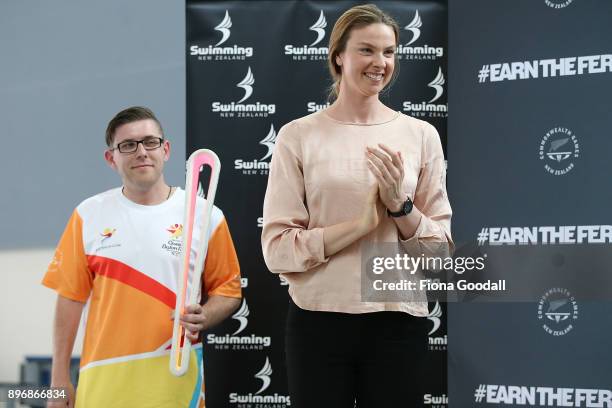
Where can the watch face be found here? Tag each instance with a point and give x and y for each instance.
(407, 206)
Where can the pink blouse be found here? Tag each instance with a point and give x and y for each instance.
(318, 178)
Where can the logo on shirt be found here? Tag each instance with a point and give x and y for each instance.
(107, 233)
(174, 243)
(56, 262)
(429, 109)
(176, 230)
(234, 342)
(311, 52)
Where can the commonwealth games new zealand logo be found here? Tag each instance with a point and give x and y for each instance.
(558, 310)
(559, 150)
(558, 4)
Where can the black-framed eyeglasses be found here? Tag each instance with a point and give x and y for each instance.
(130, 146)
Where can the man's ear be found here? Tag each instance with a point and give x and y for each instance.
(109, 159)
(166, 147)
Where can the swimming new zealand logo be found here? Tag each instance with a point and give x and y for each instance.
(414, 27)
(239, 109)
(558, 310)
(430, 109)
(436, 343)
(312, 107)
(218, 53)
(264, 375)
(261, 166)
(224, 27)
(311, 52)
(258, 399)
(435, 401)
(411, 52)
(234, 341)
(559, 150)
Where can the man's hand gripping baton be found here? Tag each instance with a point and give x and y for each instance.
(181, 346)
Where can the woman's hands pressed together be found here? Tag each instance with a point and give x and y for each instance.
(370, 216)
(387, 167)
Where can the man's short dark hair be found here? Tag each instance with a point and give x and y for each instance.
(129, 115)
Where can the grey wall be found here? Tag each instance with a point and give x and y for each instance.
(66, 67)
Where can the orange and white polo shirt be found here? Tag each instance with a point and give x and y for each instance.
(123, 259)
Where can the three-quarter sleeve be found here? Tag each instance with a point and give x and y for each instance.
(433, 236)
(287, 243)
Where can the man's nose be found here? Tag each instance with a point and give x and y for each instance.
(140, 149)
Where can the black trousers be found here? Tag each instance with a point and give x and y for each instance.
(337, 359)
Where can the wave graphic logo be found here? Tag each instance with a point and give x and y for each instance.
(269, 141)
(241, 315)
(246, 84)
(437, 85)
(415, 27)
(435, 316)
(319, 28)
(264, 375)
(224, 27)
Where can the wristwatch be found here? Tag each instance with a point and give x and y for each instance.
(405, 210)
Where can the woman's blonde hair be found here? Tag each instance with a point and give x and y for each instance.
(355, 17)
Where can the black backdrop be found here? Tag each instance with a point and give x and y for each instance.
(533, 153)
(253, 66)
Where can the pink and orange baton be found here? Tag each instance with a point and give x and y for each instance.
(181, 346)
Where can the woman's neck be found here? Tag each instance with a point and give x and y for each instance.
(359, 109)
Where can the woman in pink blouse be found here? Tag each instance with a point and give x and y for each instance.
(355, 173)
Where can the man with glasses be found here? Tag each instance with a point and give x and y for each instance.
(119, 255)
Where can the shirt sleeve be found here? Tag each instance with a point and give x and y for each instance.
(221, 269)
(287, 243)
(68, 273)
(433, 235)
